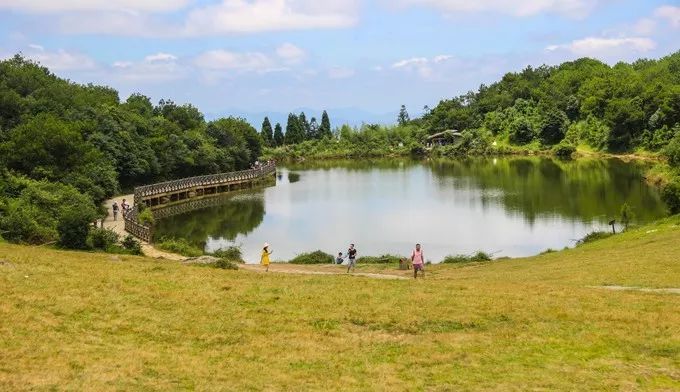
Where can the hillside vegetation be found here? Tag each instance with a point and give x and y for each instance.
(75, 320)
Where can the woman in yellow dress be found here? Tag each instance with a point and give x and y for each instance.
(264, 259)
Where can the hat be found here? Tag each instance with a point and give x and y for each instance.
(266, 244)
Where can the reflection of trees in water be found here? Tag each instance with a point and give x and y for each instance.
(240, 214)
(587, 190)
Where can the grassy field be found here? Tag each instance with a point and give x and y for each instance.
(81, 321)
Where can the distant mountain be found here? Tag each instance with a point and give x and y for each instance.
(338, 116)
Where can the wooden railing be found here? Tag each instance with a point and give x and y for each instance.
(185, 184)
(137, 229)
(143, 193)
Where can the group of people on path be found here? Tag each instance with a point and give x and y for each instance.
(417, 259)
(124, 207)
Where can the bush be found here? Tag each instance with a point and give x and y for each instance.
(670, 194)
(179, 245)
(73, 229)
(102, 238)
(593, 236)
(232, 253)
(132, 245)
(225, 264)
(146, 217)
(521, 131)
(383, 259)
(477, 256)
(564, 150)
(316, 257)
(672, 151)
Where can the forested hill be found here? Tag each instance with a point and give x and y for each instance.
(65, 147)
(617, 108)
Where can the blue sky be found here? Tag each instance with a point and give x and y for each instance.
(280, 55)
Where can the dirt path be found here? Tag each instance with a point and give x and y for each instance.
(288, 269)
(670, 290)
(119, 227)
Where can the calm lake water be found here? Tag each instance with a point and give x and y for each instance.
(505, 206)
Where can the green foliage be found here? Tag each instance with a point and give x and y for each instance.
(295, 132)
(382, 259)
(553, 127)
(73, 228)
(521, 131)
(672, 150)
(670, 193)
(476, 257)
(226, 264)
(325, 127)
(403, 117)
(231, 253)
(266, 133)
(627, 214)
(316, 257)
(278, 135)
(179, 245)
(593, 236)
(146, 217)
(564, 150)
(102, 239)
(132, 245)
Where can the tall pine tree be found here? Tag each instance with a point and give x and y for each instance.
(278, 135)
(403, 117)
(267, 133)
(313, 129)
(304, 125)
(325, 128)
(294, 131)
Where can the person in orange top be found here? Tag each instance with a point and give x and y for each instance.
(418, 261)
(264, 259)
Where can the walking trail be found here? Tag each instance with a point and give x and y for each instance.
(149, 250)
(669, 290)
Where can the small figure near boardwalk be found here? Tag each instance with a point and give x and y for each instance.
(352, 255)
(418, 261)
(264, 259)
(125, 207)
(114, 208)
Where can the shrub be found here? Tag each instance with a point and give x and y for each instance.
(146, 217)
(383, 259)
(564, 150)
(670, 194)
(477, 256)
(132, 245)
(593, 236)
(316, 257)
(102, 238)
(225, 264)
(627, 214)
(232, 253)
(181, 246)
(73, 229)
(672, 151)
(548, 251)
(521, 131)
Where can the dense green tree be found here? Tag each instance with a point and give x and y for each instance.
(553, 126)
(294, 130)
(267, 133)
(304, 125)
(403, 117)
(521, 131)
(279, 139)
(313, 129)
(325, 127)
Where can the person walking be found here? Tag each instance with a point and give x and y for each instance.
(264, 259)
(124, 205)
(418, 261)
(352, 257)
(114, 207)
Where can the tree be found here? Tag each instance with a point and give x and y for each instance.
(521, 131)
(403, 117)
(325, 128)
(278, 135)
(553, 126)
(267, 133)
(313, 129)
(294, 130)
(627, 215)
(304, 125)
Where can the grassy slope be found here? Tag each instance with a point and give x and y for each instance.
(88, 321)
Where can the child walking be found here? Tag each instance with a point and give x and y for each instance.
(264, 259)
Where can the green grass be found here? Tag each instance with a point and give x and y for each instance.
(84, 321)
(180, 246)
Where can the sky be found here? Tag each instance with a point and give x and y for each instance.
(363, 57)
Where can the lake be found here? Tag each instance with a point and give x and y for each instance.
(505, 206)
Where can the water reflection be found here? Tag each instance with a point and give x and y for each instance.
(514, 206)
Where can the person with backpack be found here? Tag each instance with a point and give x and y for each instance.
(418, 261)
(114, 207)
(352, 257)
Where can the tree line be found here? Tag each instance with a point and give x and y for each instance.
(298, 129)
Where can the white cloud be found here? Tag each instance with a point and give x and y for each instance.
(441, 58)
(160, 57)
(340, 73)
(414, 61)
(603, 47)
(669, 13)
(54, 6)
(290, 53)
(240, 16)
(425, 67)
(644, 26)
(572, 8)
(60, 60)
(226, 60)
